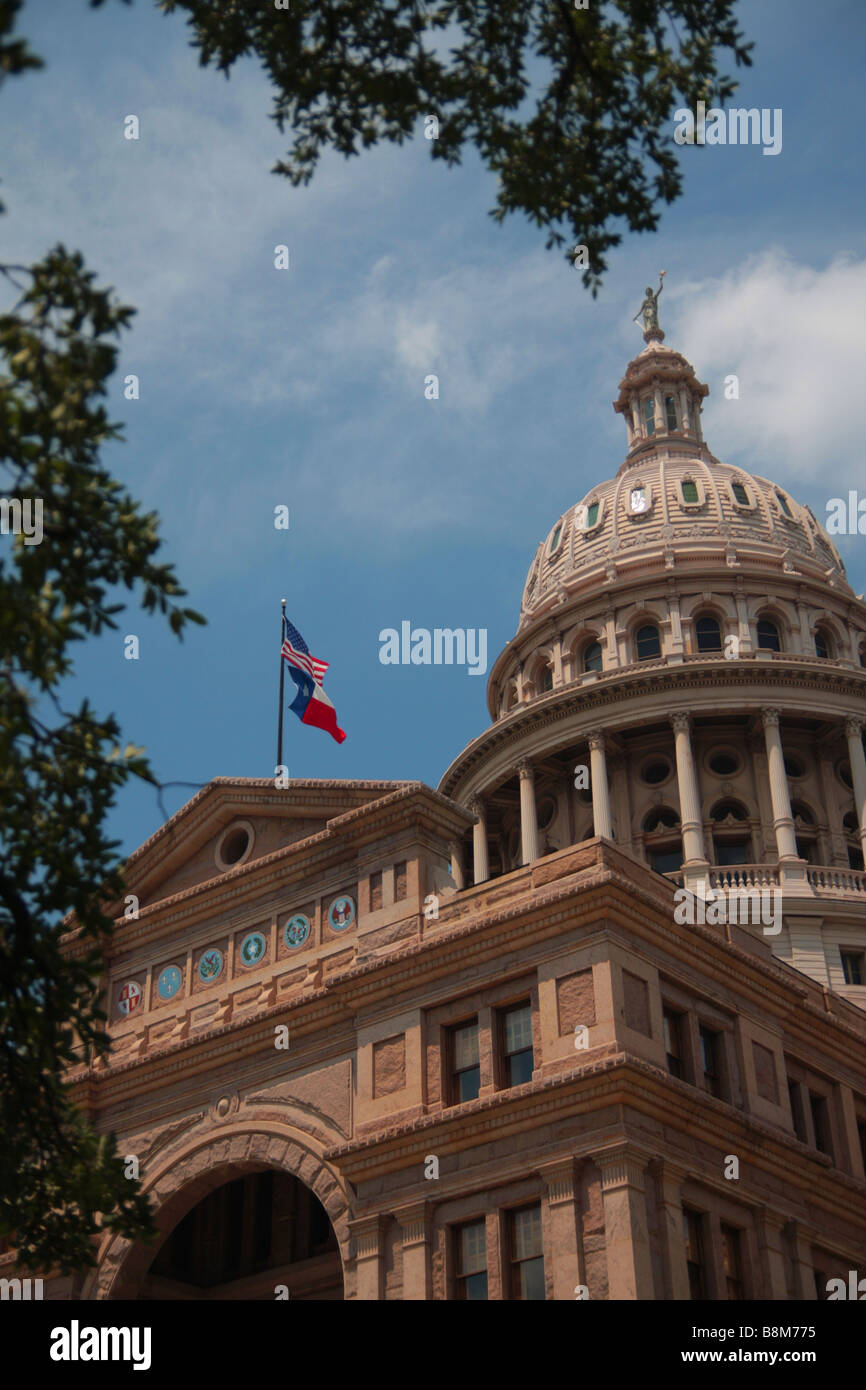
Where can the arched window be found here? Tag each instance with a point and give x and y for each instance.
(863, 653)
(592, 657)
(806, 832)
(647, 642)
(671, 413)
(731, 842)
(660, 818)
(547, 679)
(649, 415)
(799, 808)
(823, 644)
(709, 634)
(768, 635)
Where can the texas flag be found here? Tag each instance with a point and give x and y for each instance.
(311, 704)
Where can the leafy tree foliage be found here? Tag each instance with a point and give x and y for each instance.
(570, 108)
(60, 1182)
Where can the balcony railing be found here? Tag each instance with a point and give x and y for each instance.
(835, 880)
(746, 878)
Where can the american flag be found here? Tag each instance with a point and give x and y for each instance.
(297, 653)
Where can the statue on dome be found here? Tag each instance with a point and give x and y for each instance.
(649, 312)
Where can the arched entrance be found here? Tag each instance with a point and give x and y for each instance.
(239, 1214)
(264, 1235)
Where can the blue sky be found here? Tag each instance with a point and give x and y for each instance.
(306, 387)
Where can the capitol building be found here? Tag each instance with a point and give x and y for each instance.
(587, 1021)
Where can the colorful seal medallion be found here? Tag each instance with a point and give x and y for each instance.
(253, 947)
(341, 913)
(169, 982)
(296, 931)
(210, 965)
(130, 998)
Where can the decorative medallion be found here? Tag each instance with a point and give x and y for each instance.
(210, 965)
(296, 931)
(253, 948)
(169, 982)
(130, 998)
(341, 913)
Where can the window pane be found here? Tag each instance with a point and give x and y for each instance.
(690, 491)
(466, 1045)
(472, 1248)
(527, 1232)
(592, 657)
(518, 1028)
(671, 412)
(768, 635)
(475, 1287)
(741, 494)
(531, 1280)
(649, 415)
(727, 855)
(852, 967)
(468, 1084)
(709, 635)
(592, 514)
(667, 861)
(648, 643)
(555, 540)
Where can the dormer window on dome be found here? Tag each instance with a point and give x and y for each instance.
(783, 505)
(555, 541)
(740, 494)
(639, 499)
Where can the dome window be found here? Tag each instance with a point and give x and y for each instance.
(709, 635)
(823, 644)
(659, 770)
(689, 491)
(647, 643)
(639, 501)
(555, 540)
(783, 506)
(592, 660)
(649, 415)
(671, 413)
(768, 636)
(724, 764)
(591, 515)
(741, 494)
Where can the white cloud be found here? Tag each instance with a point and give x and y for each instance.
(794, 337)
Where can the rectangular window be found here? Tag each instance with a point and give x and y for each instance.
(852, 967)
(783, 503)
(690, 491)
(516, 1036)
(470, 1261)
(694, 1232)
(400, 881)
(732, 1262)
(820, 1122)
(711, 1046)
(673, 1043)
(375, 891)
(741, 494)
(649, 415)
(591, 515)
(527, 1257)
(465, 1065)
(671, 413)
(797, 1111)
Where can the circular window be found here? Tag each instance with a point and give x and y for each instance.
(210, 965)
(235, 845)
(794, 767)
(253, 948)
(724, 764)
(546, 812)
(843, 772)
(296, 931)
(657, 771)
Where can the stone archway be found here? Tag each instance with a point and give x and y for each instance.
(189, 1171)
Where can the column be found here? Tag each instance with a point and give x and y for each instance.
(481, 870)
(415, 1226)
(601, 817)
(669, 1187)
(563, 1257)
(528, 822)
(661, 422)
(783, 821)
(684, 409)
(772, 1261)
(626, 1234)
(458, 872)
(857, 759)
(690, 801)
(367, 1233)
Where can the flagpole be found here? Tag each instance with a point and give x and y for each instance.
(282, 686)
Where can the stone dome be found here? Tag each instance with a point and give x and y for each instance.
(672, 499)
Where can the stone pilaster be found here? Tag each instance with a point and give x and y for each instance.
(368, 1238)
(669, 1181)
(415, 1226)
(458, 871)
(629, 1268)
(563, 1261)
